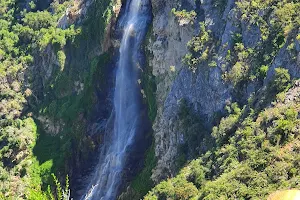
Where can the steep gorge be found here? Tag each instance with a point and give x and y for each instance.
(129, 122)
(220, 80)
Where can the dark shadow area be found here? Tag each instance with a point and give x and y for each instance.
(43, 4)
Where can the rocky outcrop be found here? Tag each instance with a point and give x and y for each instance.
(50, 126)
(46, 63)
(205, 91)
(286, 59)
(75, 13)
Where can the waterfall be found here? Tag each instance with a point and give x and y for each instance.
(108, 174)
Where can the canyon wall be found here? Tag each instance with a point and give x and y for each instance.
(204, 91)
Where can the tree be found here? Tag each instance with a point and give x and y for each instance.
(281, 80)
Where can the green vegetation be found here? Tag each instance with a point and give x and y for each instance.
(61, 56)
(142, 182)
(187, 16)
(23, 32)
(149, 87)
(285, 14)
(240, 69)
(256, 146)
(282, 79)
(278, 23)
(201, 48)
(29, 154)
(177, 189)
(256, 153)
(59, 193)
(42, 122)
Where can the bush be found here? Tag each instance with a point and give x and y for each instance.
(188, 17)
(281, 80)
(61, 56)
(39, 20)
(263, 70)
(238, 73)
(200, 48)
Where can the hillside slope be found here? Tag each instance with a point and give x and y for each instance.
(52, 55)
(213, 58)
(256, 153)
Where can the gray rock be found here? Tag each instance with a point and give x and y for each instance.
(205, 91)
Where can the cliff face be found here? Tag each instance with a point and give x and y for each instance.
(208, 89)
(204, 90)
(168, 46)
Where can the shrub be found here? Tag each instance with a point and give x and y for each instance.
(61, 56)
(281, 80)
(39, 20)
(185, 17)
(260, 155)
(200, 49)
(263, 70)
(238, 73)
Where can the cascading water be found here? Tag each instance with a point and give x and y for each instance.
(107, 177)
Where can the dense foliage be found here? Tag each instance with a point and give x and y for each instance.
(254, 149)
(24, 30)
(256, 152)
(29, 32)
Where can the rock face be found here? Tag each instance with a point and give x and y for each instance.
(74, 14)
(205, 91)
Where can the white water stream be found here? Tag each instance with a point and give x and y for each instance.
(107, 177)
